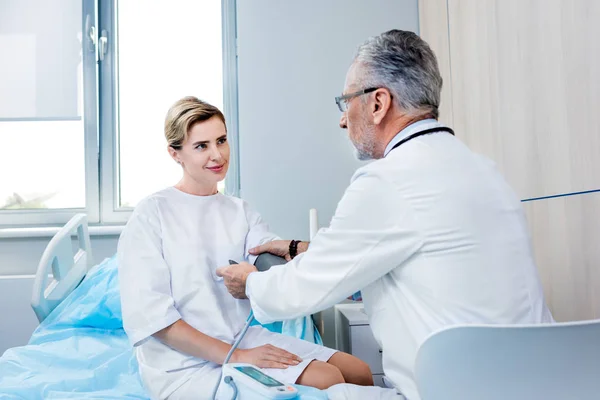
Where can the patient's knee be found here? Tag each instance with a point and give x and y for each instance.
(363, 375)
(320, 375)
(353, 369)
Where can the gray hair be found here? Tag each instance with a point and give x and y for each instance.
(403, 63)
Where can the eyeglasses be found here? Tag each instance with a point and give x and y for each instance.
(342, 101)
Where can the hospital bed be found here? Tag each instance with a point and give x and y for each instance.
(79, 350)
(62, 265)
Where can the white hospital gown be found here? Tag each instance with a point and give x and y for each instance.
(167, 256)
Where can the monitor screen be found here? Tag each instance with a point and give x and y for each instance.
(259, 376)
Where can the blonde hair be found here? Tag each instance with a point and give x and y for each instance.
(183, 115)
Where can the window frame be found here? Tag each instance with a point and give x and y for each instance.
(47, 217)
(101, 115)
(110, 211)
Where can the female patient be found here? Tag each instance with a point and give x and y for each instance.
(176, 311)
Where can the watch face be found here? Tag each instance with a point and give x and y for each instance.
(259, 376)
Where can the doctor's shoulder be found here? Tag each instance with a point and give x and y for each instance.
(381, 171)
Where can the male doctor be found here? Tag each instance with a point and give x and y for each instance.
(429, 232)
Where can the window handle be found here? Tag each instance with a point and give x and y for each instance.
(103, 44)
(90, 34)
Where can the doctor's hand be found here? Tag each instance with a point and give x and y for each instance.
(234, 276)
(266, 356)
(279, 248)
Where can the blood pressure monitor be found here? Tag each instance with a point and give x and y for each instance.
(251, 383)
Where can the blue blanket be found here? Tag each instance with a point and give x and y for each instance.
(80, 348)
(81, 351)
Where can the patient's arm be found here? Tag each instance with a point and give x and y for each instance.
(184, 338)
(258, 233)
(181, 336)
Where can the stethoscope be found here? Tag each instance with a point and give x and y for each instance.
(421, 133)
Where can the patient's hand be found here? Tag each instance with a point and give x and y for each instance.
(279, 248)
(235, 276)
(266, 356)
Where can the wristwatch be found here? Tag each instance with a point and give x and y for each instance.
(294, 248)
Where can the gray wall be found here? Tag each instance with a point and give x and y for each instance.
(292, 61)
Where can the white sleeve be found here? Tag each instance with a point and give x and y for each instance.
(258, 232)
(372, 232)
(144, 277)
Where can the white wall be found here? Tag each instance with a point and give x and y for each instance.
(20, 256)
(292, 61)
(18, 319)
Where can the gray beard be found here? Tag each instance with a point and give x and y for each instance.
(365, 150)
(361, 155)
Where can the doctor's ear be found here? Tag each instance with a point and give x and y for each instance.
(382, 102)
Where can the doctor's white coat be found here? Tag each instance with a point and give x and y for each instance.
(432, 235)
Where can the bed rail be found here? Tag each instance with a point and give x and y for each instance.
(64, 265)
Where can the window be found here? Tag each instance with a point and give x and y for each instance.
(47, 98)
(84, 93)
(41, 170)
